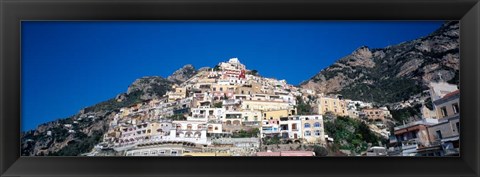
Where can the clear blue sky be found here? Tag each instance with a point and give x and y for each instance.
(67, 66)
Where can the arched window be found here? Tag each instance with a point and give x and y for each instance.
(308, 133)
(307, 125)
(316, 125)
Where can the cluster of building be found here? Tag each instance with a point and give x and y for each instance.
(374, 116)
(207, 114)
(203, 115)
(437, 134)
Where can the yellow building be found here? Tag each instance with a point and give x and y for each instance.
(250, 89)
(276, 114)
(333, 104)
(377, 114)
(265, 105)
(177, 93)
(448, 105)
(313, 129)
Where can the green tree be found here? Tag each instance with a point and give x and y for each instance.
(302, 107)
(320, 151)
(218, 105)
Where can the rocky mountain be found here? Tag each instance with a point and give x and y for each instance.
(182, 74)
(66, 137)
(394, 73)
(150, 87)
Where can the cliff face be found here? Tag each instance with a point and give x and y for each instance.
(394, 73)
(149, 87)
(182, 74)
(67, 137)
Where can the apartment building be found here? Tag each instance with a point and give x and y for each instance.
(333, 104)
(265, 105)
(313, 129)
(176, 93)
(447, 131)
(412, 136)
(208, 113)
(275, 115)
(448, 105)
(377, 114)
(291, 129)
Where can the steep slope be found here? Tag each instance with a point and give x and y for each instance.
(89, 125)
(395, 73)
(150, 87)
(182, 74)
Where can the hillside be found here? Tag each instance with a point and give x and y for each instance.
(90, 124)
(394, 73)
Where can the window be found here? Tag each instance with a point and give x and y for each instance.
(316, 124)
(444, 111)
(455, 108)
(317, 132)
(294, 126)
(458, 126)
(439, 134)
(308, 133)
(307, 125)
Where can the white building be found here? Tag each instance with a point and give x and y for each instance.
(207, 113)
(291, 128)
(440, 89)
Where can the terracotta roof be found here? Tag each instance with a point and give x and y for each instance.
(451, 93)
(268, 153)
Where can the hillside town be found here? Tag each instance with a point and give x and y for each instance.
(230, 110)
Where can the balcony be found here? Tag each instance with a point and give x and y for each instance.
(410, 144)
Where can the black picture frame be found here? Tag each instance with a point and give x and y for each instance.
(14, 11)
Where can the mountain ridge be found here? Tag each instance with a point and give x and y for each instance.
(414, 62)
